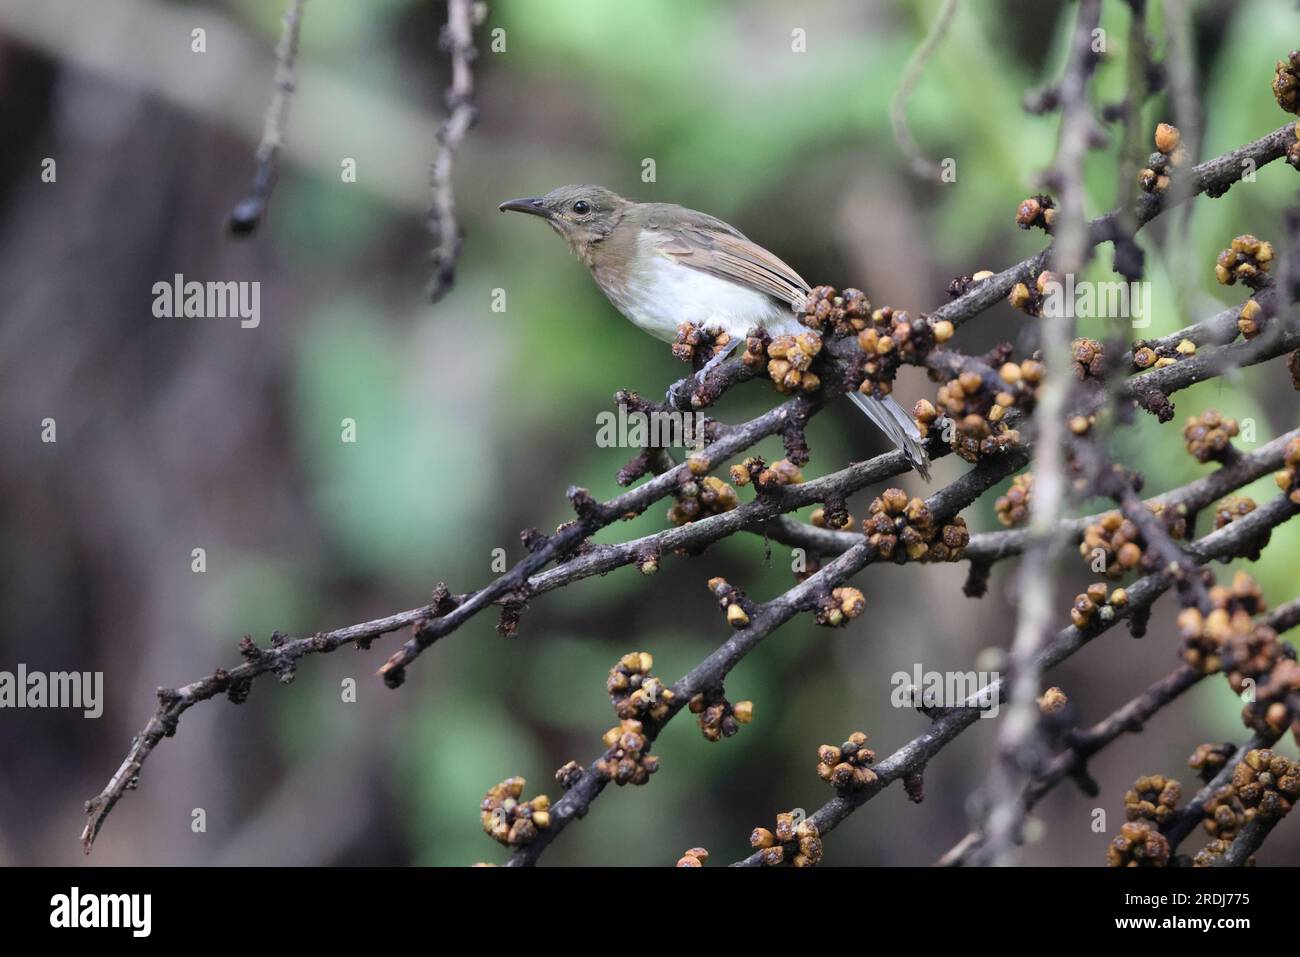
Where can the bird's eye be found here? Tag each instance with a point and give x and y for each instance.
(581, 206)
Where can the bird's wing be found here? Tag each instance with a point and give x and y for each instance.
(712, 246)
(892, 419)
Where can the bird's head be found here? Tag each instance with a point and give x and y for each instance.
(581, 214)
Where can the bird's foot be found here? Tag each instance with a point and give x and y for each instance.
(675, 396)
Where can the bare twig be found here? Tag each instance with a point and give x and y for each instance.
(247, 214)
(1020, 750)
(458, 39)
(921, 165)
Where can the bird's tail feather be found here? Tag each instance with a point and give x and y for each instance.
(892, 419)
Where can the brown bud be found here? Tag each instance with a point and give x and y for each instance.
(1167, 138)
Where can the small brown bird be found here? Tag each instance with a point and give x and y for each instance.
(662, 265)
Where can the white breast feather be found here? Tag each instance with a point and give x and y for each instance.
(670, 293)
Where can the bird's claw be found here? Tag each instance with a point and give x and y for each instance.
(674, 396)
(683, 392)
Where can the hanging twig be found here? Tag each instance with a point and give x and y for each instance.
(921, 165)
(458, 39)
(247, 214)
(1020, 748)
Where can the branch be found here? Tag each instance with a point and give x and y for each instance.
(921, 165)
(1247, 842)
(1188, 817)
(430, 622)
(1213, 176)
(1020, 744)
(458, 39)
(766, 619)
(569, 547)
(247, 214)
(1130, 718)
(913, 757)
(1118, 485)
(991, 547)
(592, 516)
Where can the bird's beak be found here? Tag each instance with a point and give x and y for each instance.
(532, 205)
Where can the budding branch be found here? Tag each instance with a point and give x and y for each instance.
(568, 556)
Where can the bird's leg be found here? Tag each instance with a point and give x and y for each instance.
(717, 360)
(708, 367)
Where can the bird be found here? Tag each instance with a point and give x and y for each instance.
(661, 265)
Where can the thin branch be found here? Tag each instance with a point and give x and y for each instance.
(913, 757)
(458, 39)
(1020, 748)
(920, 164)
(1214, 176)
(1188, 817)
(1247, 842)
(1118, 485)
(992, 547)
(430, 622)
(592, 516)
(1073, 762)
(1130, 718)
(247, 214)
(765, 620)
(1133, 716)
(1208, 363)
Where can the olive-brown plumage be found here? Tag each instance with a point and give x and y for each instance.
(662, 265)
